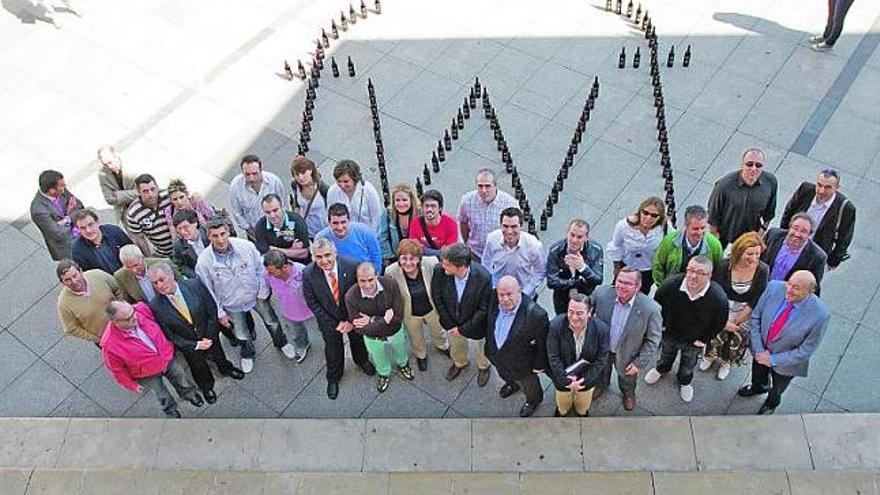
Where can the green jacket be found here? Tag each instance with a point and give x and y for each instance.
(667, 258)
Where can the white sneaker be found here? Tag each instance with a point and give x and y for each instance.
(300, 357)
(687, 392)
(652, 376)
(289, 351)
(723, 371)
(247, 365)
(818, 38)
(705, 364)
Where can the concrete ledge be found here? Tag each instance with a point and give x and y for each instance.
(775, 443)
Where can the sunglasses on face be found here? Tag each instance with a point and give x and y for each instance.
(649, 213)
(754, 164)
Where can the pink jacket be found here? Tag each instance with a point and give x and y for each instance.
(128, 358)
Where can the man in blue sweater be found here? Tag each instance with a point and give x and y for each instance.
(352, 239)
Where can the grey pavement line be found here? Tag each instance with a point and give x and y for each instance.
(838, 90)
(807, 437)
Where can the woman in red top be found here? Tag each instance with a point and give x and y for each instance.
(434, 229)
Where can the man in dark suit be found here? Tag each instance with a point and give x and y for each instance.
(460, 290)
(832, 213)
(574, 263)
(516, 342)
(787, 325)
(188, 316)
(51, 212)
(791, 250)
(325, 282)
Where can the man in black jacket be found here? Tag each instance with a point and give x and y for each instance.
(833, 215)
(694, 309)
(577, 337)
(460, 291)
(325, 282)
(791, 250)
(574, 263)
(188, 317)
(516, 342)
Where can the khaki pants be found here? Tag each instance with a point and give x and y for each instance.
(580, 400)
(414, 328)
(458, 351)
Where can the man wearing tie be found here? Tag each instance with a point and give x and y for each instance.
(787, 325)
(326, 280)
(188, 317)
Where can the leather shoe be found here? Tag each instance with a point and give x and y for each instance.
(598, 392)
(236, 374)
(482, 377)
(453, 372)
(527, 410)
(508, 389)
(196, 400)
(172, 413)
(766, 409)
(332, 390)
(445, 352)
(750, 390)
(422, 363)
(368, 368)
(211, 396)
(629, 402)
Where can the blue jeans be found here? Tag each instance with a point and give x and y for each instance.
(239, 326)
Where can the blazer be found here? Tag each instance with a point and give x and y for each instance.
(128, 283)
(470, 314)
(45, 217)
(790, 352)
(184, 255)
(801, 200)
(395, 272)
(202, 310)
(812, 258)
(319, 298)
(641, 333)
(526, 346)
(560, 278)
(118, 198)
(561, 352)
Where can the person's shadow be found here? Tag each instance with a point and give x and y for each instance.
(757, 25)
(30, 12)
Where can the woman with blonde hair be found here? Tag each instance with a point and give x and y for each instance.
(636, 238)
(396, 221)
(308, 196)
(743, 276)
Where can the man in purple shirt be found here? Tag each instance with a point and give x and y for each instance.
(791, 250)
(286, 281)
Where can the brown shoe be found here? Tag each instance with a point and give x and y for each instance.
(629, 402)
(453, 372)
(482, 377)
(598, 392)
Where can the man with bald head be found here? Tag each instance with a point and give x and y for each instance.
(744, 200)
(516, 342)
(786, 326)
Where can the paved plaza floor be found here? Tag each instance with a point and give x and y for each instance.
(184, 88)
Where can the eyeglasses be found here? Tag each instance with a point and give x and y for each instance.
(698, 272)
(754, 164)
(649, 213)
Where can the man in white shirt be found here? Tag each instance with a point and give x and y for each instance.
(248, 189)
(359, 196)
(510, 251)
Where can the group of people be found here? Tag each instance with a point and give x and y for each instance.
(176, 275)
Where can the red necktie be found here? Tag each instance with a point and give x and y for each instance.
(779, 322)
(334, 286)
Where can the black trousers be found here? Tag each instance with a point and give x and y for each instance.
(647, 281)
(198, 364)
(531, 387)
(837, 10)
(689, 354)
(334, 351)
(764, 377)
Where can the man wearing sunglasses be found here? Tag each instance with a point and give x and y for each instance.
(832, 213)
(743, 201)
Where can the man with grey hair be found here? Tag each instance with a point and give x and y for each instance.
(479, 211)
(117, 185)
(694, 309)
(677, 248)
(132, 277)
(744, 200)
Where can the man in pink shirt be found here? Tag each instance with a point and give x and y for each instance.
(434, 229)
(138, 355)
(286, 281)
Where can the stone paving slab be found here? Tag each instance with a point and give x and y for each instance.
(744, 443)
(833, 442)
(618, 444)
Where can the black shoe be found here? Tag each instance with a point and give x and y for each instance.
(750, 390)
(445, 352)
(584, 415)
(406, 372)
(211, 396)
(556, 413)
(332, 390)
(368, 368)
(196, 400)
(527, 410)
(172, 413)
(422, 364)
(508, 389)
(236, 374)
(766, 409)
(383, 383)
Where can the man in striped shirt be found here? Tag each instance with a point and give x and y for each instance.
(146, 218)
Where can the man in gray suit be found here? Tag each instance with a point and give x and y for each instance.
(52, 210)
(787, 326)
(635, 323)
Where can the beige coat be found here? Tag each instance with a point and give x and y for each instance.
(395, 272)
